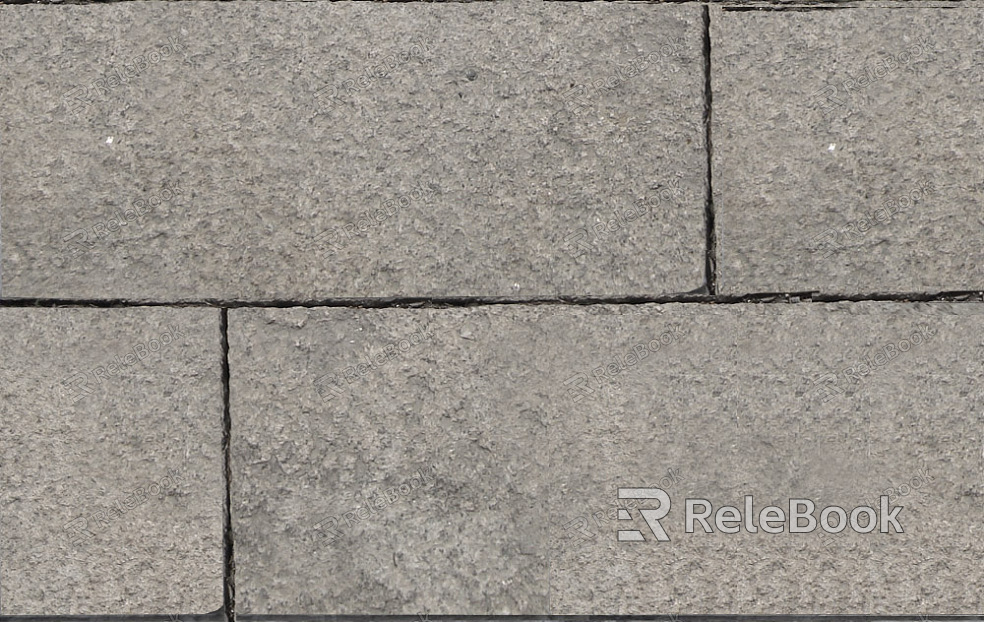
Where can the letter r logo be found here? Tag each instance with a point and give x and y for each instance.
(651, 516)
(76, 386)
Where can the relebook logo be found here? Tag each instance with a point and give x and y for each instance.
(771, 519)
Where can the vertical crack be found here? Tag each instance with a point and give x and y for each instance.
(710, 266)
(229, 582)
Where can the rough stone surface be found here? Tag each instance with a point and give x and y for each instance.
(479, 113)
(68, 452)
(824, 119)
(524, 456)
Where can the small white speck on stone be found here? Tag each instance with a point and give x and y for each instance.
(831, 147)
(109, 141)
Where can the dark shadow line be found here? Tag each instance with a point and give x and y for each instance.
(229, 560)
(439, 302)
(710, 259)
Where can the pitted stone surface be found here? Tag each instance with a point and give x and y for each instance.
(304, 151)
(847, 150)
(111, 480)
(511, 427)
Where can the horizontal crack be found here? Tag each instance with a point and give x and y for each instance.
(479, 301)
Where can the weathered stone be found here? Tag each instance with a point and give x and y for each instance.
(111, 479)
(511, 149)
(847, 149)
(531, 418)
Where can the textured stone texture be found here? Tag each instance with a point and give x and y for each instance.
(525, 466)
(799, 154)
(464, 543)
(480, 117)
(63, 458)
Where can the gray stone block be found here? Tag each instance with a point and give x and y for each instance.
(512, 427)
(301, 151)
(111, 477)
(848, 149)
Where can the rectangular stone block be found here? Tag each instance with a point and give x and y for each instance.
(111, 477)
(468, 461)
(847, 149)
(303, 151)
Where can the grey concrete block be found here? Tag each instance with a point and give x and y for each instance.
(308, 449)
(332, 149)
(111, 476)
(512, 427)
(848, 149)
